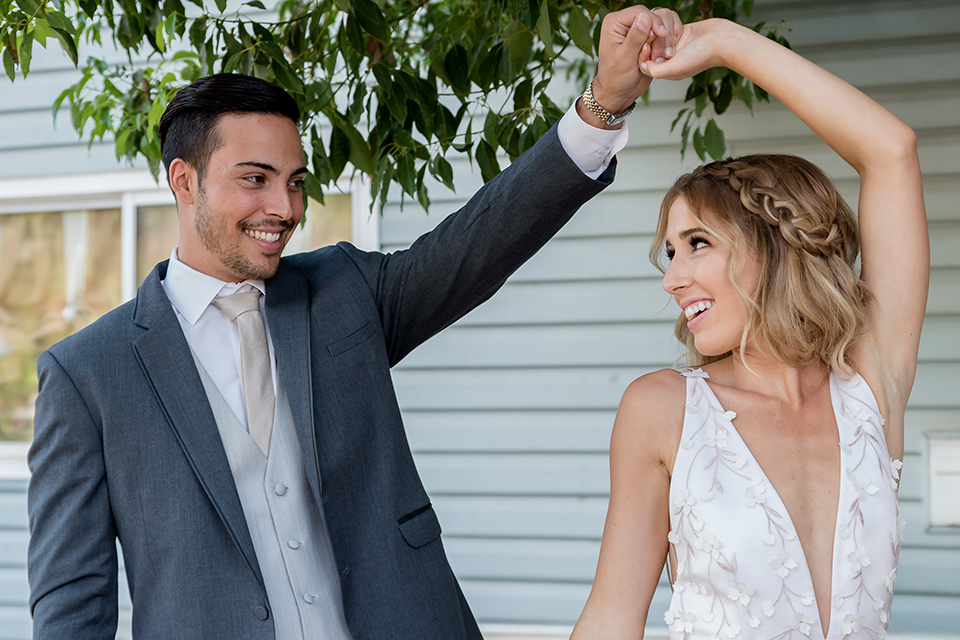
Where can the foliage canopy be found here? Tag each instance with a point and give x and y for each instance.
(387, 87)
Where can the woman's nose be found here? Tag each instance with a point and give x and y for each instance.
(675, 278)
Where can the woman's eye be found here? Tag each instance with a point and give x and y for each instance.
(698, 243)
(669, 253)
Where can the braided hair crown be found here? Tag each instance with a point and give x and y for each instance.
(792, 195)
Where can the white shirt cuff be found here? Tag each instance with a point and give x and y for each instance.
(590, 148)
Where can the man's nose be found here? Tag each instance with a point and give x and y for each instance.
(278, 202)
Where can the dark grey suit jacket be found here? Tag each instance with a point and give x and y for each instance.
(126, 445)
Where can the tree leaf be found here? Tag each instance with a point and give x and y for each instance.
(57, 20)
(422, 197)
(489, 67)
(724, 95)
(339, 151)
(69, 44)
(700, 103)
(544, 28)
(521, 95)
(406, 174)
(160, 39)
(289, 80)
(25, 52)
(673, 125)
(360, 154)
(8, 65)
(370, 17)
(713, 140)
(41, 31)
(578, 26)
(487, 159)
(156, 111)
(29, 7)
(529, 14)
(456, 66)
(396, 102)
(698, 145)
(256, 4)
(443, 171)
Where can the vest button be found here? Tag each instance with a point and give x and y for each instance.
(280, 489)
(261, 613)
(294, 543)
(309, 598)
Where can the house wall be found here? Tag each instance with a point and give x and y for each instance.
(509, 411)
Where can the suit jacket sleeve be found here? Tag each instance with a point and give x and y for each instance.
(72, 554)
(450, 270)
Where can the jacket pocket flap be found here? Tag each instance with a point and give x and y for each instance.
(420, 527)
(345, 344)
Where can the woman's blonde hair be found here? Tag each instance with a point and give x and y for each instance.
(809, 304)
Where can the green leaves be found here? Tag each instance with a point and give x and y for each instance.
(386, 88)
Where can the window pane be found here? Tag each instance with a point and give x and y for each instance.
(324, 224)
(59, 271)
(157, 235)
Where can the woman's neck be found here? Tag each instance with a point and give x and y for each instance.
(770, 377)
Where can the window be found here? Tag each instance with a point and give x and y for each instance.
(74, 248)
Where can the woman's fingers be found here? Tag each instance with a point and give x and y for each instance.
(667, 28)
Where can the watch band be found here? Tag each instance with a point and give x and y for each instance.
(600, 112)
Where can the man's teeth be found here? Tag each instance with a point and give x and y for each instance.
(696, 308)
(260, 235)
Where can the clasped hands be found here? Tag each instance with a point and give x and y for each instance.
(638, 44)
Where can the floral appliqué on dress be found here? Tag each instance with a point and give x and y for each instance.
(741, 572)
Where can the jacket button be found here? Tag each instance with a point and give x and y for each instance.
(261, 613)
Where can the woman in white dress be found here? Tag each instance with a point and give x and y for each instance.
(769, 474)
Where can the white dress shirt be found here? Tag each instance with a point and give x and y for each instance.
(210, 332)
(590, 148)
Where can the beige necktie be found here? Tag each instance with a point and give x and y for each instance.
(258, 395)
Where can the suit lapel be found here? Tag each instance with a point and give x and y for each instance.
(166, 360)
(288, 316)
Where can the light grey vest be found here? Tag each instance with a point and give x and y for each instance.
(289, 534)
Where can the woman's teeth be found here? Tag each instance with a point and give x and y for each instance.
(697, 307)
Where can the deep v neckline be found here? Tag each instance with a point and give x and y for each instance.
(842, 499)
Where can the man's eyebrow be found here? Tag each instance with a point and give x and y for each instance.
(269, 167)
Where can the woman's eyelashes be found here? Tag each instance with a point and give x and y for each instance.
(695, 243)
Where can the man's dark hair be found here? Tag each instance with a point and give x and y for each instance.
(188, 127)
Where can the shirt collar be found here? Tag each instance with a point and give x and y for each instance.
(191, 291)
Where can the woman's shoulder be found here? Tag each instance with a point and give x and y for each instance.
(650, 418)
(656, 397)
(663, 381)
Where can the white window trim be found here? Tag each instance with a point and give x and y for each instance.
(128, 190)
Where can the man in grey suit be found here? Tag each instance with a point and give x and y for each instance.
(300, 515)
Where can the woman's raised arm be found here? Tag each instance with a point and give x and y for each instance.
(881, 148)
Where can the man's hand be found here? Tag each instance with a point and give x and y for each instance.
(628, 38)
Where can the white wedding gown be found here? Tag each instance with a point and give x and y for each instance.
(741, 572)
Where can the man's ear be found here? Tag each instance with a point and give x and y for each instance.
(184, 181)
